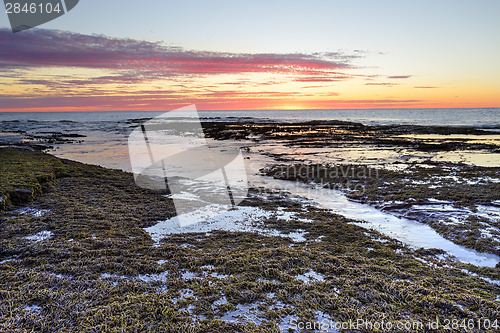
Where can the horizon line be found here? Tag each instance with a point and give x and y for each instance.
(220, 110)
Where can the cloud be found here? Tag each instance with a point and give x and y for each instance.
(331, 78)
(387, 84)
(425, 87)
(399, 77)
(57, 70)
(223, 100)
(133, 60)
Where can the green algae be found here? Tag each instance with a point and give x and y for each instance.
(25, 170)
(97, 218)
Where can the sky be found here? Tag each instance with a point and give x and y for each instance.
(155, 55)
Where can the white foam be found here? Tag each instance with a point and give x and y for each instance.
(32, 211)
(310, 276)
(244, 313)
(161, 277)
(33, 308)
(40, 236)
(250, 219)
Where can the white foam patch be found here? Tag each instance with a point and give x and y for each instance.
(219, 302)
(250, 219)
(311, 276)
(32, 211)
(187, 275)
(60, 276)
(184, 293)
(33, 308)
(208, 267)
(40, 236)
(113, 278)
(161, 277)
(487, 279)
(244, 313)
(219, 276)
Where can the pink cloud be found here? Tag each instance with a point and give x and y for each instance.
(331, 78)
(128, 62)
(141, 60)
(387, 84)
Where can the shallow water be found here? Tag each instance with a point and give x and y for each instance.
(106, 139)
(493, 139)
(410, 232)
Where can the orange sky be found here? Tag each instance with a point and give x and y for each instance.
(54, 70)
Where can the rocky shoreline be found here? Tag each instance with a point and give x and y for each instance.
(76, 258)
(75, 254)
(451, 198)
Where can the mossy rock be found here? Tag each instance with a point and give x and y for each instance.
(25, 174)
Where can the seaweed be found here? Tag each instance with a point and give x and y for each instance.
(100, 271)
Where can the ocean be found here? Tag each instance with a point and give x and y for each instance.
(106, 133)
(484, 117)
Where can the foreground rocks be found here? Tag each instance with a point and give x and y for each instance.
(83, 262)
